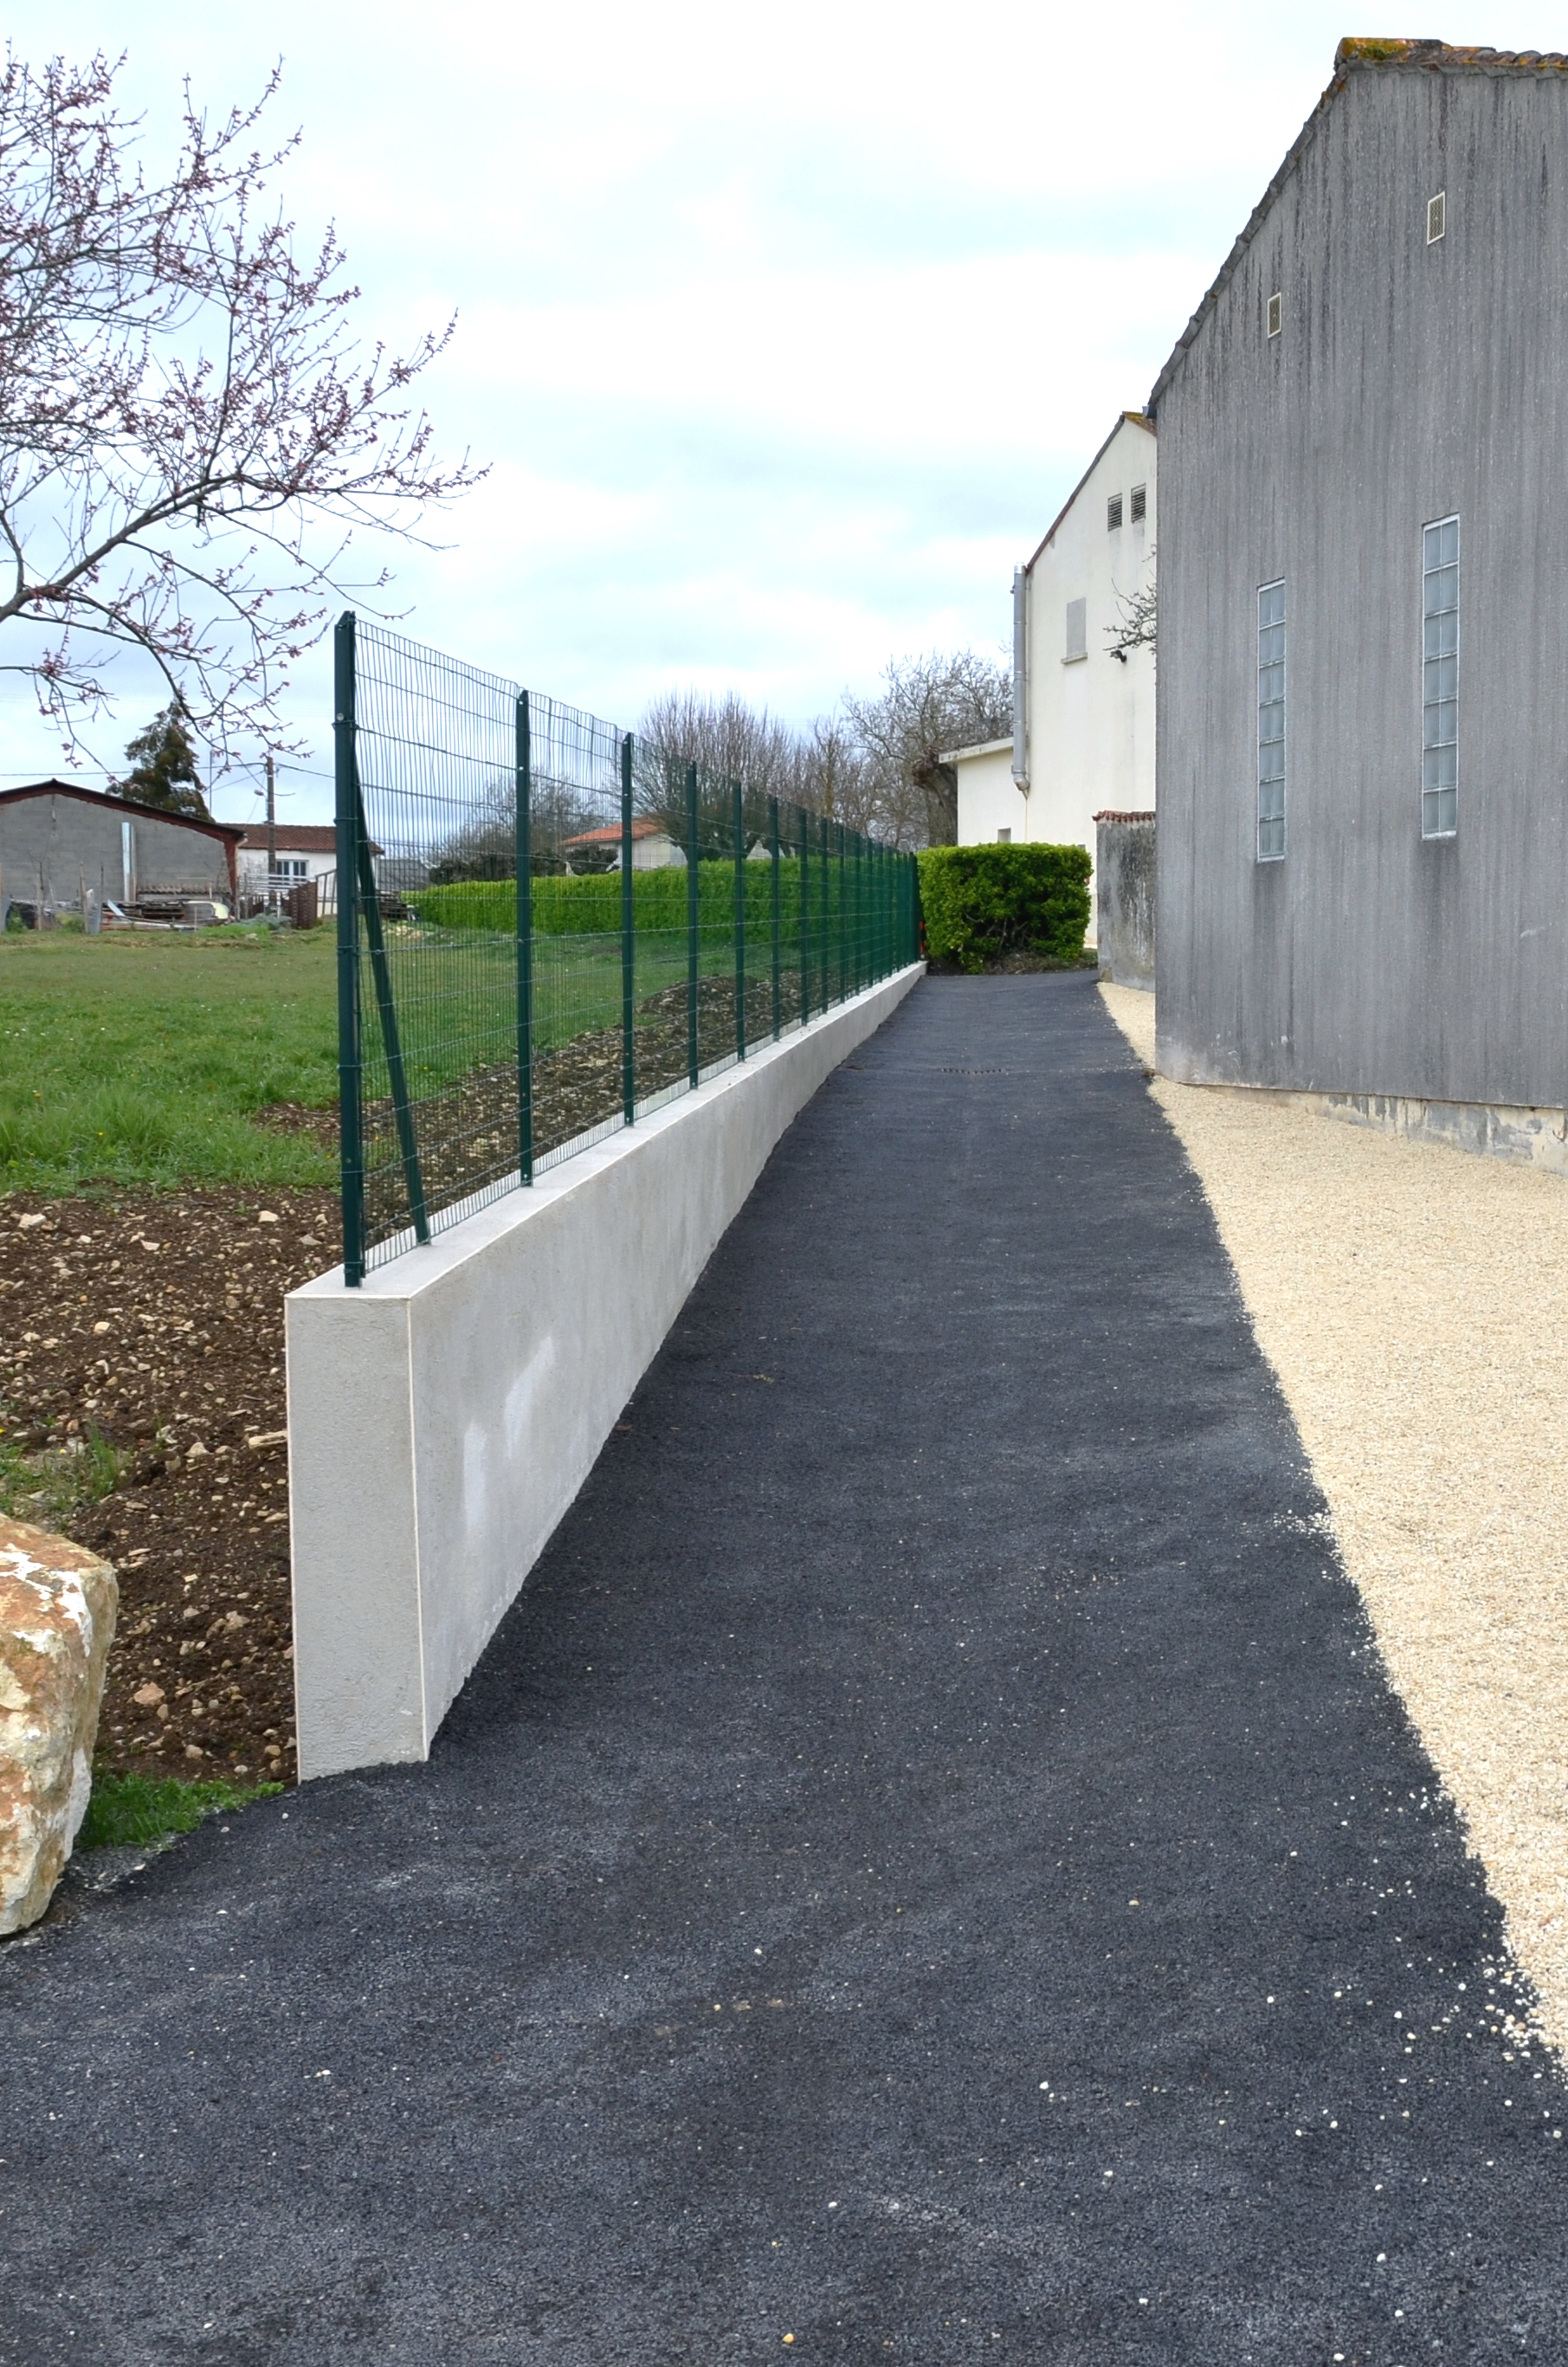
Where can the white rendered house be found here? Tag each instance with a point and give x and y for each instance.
(1083, 719)
(304, 850)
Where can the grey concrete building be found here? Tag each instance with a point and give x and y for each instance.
(1362, 733)
(58, 840)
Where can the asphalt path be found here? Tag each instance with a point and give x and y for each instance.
(930, 1869)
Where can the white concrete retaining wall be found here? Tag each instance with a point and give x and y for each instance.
(443, 1416)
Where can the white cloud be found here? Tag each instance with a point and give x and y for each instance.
(787, 331)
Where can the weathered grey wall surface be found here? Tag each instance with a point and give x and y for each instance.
(1410, 381)
(1124, 899)
(61, 841)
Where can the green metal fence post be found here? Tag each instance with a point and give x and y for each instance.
(355, 842)
(386, 1006)
(738, 835)
(859, 911)
(525, 927)
(874, 911)
(628, 946)
(774, 884)
(693, 930)
(843, 919)
(350, 1140)
(802, 922)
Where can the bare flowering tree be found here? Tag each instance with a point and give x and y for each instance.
(1138, 625)
(190, 436)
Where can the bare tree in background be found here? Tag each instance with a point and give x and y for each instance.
(729, 743)
(188, 435)
(926, 705)
(874, 763)
(726, 738)
(481, 843)
(836, 778)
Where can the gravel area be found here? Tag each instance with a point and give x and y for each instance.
(1414, 1302)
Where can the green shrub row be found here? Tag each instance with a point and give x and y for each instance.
(981, 903)
(590, 906)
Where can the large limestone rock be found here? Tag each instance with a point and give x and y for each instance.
(57, 1607)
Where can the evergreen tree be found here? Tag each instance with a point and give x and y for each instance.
(163, 774)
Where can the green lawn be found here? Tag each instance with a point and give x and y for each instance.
(139, 1059)
(143, 1811)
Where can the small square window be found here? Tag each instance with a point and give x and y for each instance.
(1436, 217)
(1003, 838)
(1140, 504)
(1113, 511)
(1276, 314)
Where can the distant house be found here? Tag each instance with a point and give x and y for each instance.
(63, 847)
(1363, 864)
(1083, 719)
(652, 848)
(305, 851)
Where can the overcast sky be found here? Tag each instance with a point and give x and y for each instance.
(785, 332)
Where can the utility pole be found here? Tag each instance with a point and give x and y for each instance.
(271, 836)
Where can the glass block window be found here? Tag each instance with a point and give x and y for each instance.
(1113, 511)
(1439, 678)
(1271, 722)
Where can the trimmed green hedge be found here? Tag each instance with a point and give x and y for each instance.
(980, 902)
(590, 906)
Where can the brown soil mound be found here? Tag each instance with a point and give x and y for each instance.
(156, 1320)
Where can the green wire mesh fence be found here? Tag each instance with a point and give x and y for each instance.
(547, 927)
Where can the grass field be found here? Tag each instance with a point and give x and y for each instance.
(140, 1059)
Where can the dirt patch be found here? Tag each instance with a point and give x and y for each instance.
(155, 1322)
(293, 1117)
(1013, 966)
(151, 1323)
(1414, 1302)
(467, 1134)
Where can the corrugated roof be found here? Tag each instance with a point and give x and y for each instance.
(1356, 55)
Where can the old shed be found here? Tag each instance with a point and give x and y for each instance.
(60, 842)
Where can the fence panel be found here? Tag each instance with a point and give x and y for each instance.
(548, 927)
